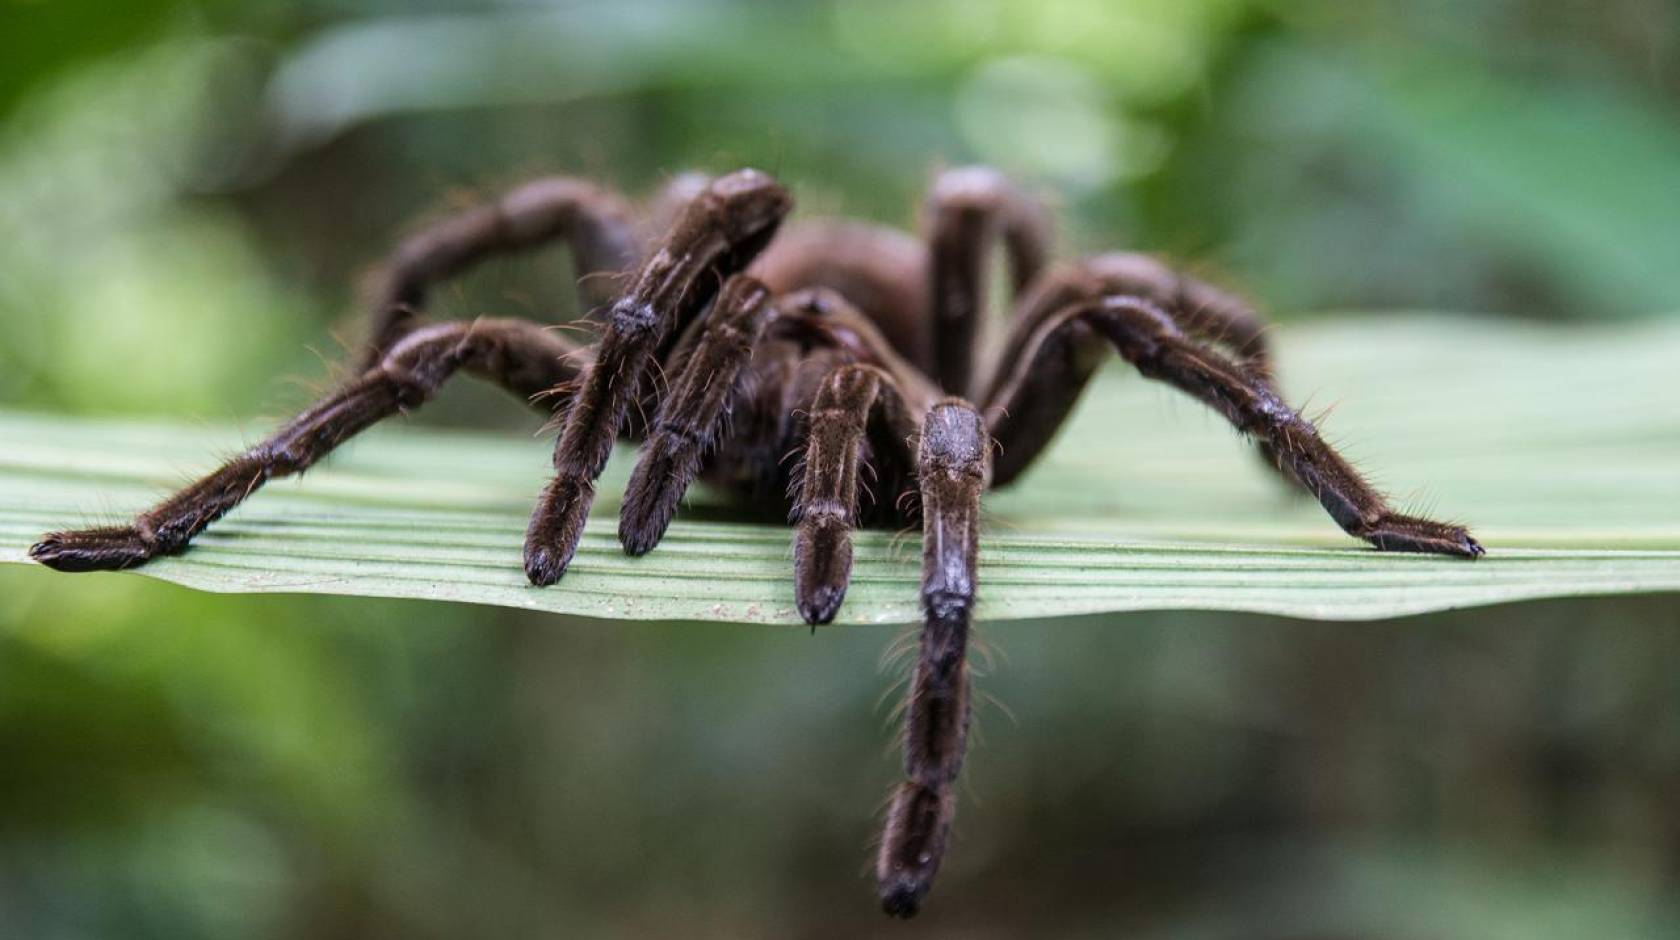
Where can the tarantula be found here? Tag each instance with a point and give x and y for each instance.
(854, 345)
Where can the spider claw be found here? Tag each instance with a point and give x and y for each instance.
(642, 522)
(820, 603)
(650, 502)
(107, 549)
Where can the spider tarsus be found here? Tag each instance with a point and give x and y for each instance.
(644, 518)
(639, 541)
(555, 529)
(822, 564)
(105, 549)
(912, 846)
(650, 501)
(1397, 533)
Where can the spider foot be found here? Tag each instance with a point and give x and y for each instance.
(650, 502)
(104, 549)
(556, 526)
(639, 536)
(912, 847)
(822, 560)
(1397, 533)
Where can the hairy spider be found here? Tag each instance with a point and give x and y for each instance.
(850, 343)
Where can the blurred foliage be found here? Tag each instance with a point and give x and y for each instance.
(187, 190)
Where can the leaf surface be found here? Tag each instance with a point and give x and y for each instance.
(1561, 448)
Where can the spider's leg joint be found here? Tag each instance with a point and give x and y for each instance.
(752, 201)
(950, 606)
(631, 319)
(954, 438)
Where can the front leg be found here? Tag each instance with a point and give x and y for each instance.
(718, 234)
(877, 385)
(827, 504)
(694, 414)
(951, 469)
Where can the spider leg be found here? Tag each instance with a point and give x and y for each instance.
(718, 234)
(837, 441)
(1056, 358)
(689, 420)
(1201, 310)
(952, 466)
(1040, 373)
(593, 222)
(966, 209)
(1063, 362)
(836, 448)
(519, 355)
(951, 470)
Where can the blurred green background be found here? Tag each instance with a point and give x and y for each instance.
(188, 190)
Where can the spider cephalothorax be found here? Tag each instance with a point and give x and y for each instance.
(852, 344)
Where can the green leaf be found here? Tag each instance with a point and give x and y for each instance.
(1560, 447)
